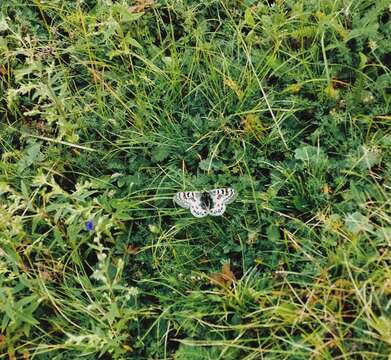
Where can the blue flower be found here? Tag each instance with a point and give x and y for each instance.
(90, 225)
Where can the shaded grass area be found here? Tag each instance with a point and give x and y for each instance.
(108, 108)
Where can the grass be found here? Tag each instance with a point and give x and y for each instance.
(108, 108)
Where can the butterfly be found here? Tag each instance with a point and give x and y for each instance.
(202, 203)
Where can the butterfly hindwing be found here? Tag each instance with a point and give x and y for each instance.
(218, 209)
(198, 211)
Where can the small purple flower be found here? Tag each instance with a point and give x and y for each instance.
(90, 225)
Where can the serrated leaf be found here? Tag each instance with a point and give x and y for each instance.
(27, 70)
(383, 81)
(33, 150)
(210, 164)
(160, 153)
(131, 15)
(357, 223)
(273, 233)
(306, 153)
(369, 158)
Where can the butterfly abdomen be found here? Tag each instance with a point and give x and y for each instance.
(206, 200)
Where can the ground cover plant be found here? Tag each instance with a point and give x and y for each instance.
(108, 108)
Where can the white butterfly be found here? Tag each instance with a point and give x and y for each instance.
(202, 203)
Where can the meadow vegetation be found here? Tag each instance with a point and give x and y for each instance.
(108, 108)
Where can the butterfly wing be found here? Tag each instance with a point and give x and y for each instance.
(220, 198)
(191, 200)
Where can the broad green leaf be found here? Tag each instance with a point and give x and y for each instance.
(357, 223)
(249, 18)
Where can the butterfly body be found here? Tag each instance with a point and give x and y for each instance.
(202, 203)
(206, 200)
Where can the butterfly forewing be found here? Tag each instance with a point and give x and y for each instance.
(191, 200)
(183, 199)
(224, 195)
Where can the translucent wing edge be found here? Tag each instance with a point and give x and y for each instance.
(178, 199)
(190, 200)
(228, 195)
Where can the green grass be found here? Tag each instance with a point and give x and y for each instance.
(108, 108)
